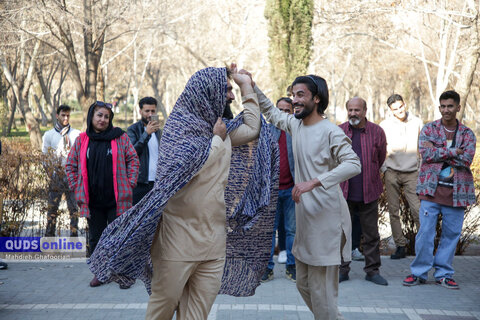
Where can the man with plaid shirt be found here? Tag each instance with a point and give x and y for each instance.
(445, 186)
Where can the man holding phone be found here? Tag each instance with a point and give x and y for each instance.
(145, 137)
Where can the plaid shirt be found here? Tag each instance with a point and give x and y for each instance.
(433, 158)
(125, 172)
(374, 151)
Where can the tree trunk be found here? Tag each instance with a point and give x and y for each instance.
(46, 94)
(21, 90)
(101, 85)
(11, 120)
(470, 62)
(32, 125)
(156, 81)
(40, 109)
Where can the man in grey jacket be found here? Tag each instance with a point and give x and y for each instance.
(145, 137)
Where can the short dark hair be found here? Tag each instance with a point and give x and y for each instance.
(450, 94)
(63, 107)
(147, 100)
(394, 98)
(318, 87)
(289, 91)
(286, 99)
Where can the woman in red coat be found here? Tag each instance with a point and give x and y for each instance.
(102, 170)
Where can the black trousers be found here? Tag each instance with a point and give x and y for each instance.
(58, 187)
(97, 222)
(368, 215)
(356, 232)
(141, 190)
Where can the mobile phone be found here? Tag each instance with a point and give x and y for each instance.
(154, 117)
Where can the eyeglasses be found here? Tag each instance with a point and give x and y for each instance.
(103, 104)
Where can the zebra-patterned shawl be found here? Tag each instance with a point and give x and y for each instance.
(123, 252)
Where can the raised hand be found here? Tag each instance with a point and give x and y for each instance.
(243, 71)
(152, 127)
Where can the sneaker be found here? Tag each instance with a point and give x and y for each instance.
(282, 257)
(267, 276)
(411, 280)
(399, 253)
(357, 255)
(3, 265)
(291, 273)
(448, 283)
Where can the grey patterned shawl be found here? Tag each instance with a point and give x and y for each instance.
(123, 252)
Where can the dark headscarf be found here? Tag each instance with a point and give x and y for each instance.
(110, 133)
(99, 165)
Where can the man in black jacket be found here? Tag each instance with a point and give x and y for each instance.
(145, 137)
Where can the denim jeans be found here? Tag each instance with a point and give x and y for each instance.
(452, 221)
(285, 211)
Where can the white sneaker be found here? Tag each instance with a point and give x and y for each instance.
(357, 255)
(282, 257)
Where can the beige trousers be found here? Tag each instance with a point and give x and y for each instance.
(394, 181)
(318, 286)
(189, 288)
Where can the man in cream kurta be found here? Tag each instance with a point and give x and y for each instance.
(188, 253)
(323, 158)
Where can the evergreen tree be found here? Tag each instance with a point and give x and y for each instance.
(290, 32)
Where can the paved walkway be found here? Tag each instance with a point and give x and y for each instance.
(59, 290)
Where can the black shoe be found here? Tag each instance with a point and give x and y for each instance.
(399, 254)
(377, 279)
(343, 277)
(3, 265)
(291, 273)
(124, 286)
(267, 276)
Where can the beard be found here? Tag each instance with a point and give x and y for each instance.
(305, 112)
(227, 112)
(146, 120)
(354, 121)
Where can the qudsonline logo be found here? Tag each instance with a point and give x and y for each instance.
(43, 244)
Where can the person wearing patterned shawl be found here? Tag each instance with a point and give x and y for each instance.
(206, 226)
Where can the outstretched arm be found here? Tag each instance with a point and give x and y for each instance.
(250, 129)
(273, 115)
